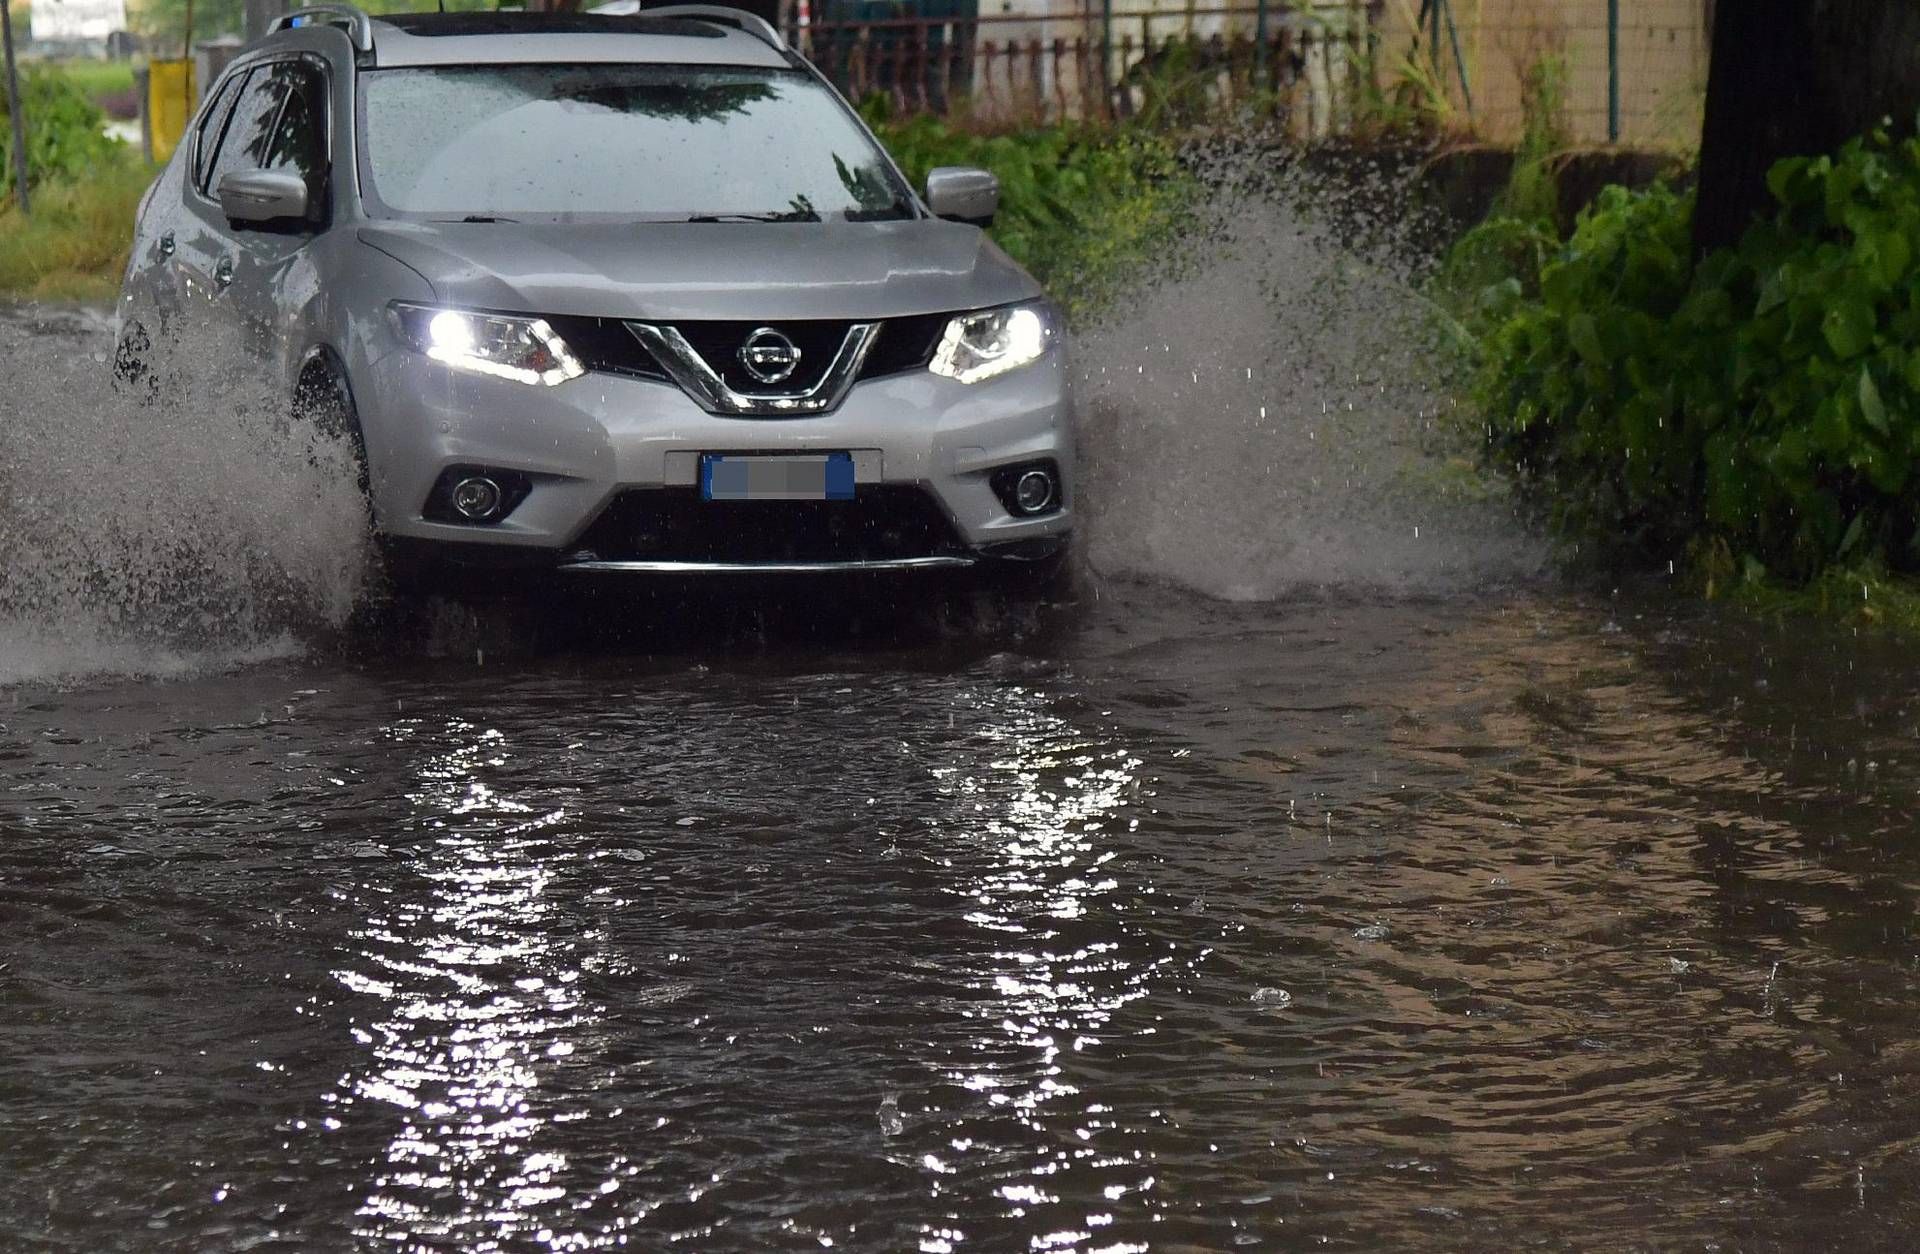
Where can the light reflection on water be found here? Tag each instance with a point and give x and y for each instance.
(1041, 804)
(480, 993)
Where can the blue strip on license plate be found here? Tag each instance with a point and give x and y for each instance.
(795, 477)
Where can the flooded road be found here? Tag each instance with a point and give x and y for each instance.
(1503, 920)
(1424, 910)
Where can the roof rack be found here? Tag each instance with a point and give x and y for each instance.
(357, 24)
(722, 15)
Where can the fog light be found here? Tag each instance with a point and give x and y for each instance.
(1033, 492)
(477, 499)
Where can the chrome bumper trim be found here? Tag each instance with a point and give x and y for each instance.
(596, 566)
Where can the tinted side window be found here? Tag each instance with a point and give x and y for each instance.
(250, 134)
(300, 137)
(211, 125)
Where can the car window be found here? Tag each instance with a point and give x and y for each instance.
(250, 133)
(619, 142)
(300, 136)
(211, 124)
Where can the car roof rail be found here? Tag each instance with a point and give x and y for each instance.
(355, 22)
(722, 15)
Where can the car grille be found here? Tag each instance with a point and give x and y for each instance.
(605, 344)
(883, 522)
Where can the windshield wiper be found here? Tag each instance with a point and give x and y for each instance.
(784, 215)
(479, 217)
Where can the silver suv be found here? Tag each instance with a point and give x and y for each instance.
(611, 294)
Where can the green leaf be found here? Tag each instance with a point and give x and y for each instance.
(1891, 256)
(1848, 327)
(1783, 178)
(1855, 530)
(1872, 408)
(1774, 291)
(1584, 334)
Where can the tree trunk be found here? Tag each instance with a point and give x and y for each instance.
(1796, 78)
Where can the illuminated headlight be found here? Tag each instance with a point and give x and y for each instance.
(982, 345)
(525, 350)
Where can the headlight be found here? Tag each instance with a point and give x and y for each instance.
(982, 345)
(525, 350)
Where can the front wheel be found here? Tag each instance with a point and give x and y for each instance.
(133, 361)
(323, 406)
(325, 402)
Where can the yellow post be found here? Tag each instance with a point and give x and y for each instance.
(170, 97)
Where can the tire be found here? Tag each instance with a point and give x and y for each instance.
(324, 400)
(133, 361)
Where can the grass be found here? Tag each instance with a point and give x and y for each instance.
(96, 78)
(74, 246)
(1862, 595)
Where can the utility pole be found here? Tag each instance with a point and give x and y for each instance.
(13, 107)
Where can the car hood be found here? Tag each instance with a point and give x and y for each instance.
(720, 270)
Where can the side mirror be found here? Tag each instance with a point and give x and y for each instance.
(963, 194)
(261, 197)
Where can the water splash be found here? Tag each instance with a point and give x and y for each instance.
(1274, 414)
(1270, 416)
(168, 534)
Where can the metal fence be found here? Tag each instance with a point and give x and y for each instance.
(1632, 71)
(1306, 63)
(1628, 71)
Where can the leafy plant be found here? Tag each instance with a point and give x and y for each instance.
(1415, 96)
(64, 136)
(1499, 261)
(1764, 403)
(1533, 190)
(1079, 206)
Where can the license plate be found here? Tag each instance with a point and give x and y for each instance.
(795, 477)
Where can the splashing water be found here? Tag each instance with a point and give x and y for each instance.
(187, 531)
(1273, 415)
(1269, 416)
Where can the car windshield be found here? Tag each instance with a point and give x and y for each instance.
(618, 142)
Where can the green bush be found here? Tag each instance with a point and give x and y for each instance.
(1763, 404)
(1079, 206)
(64, 136)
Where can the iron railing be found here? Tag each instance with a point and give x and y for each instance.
(1306, 61)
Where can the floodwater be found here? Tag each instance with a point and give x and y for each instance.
(1442, 906)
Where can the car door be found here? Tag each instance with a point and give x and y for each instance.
(273, 283)
(205, 249)
(153, 279)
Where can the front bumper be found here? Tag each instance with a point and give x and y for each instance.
(597, 443)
